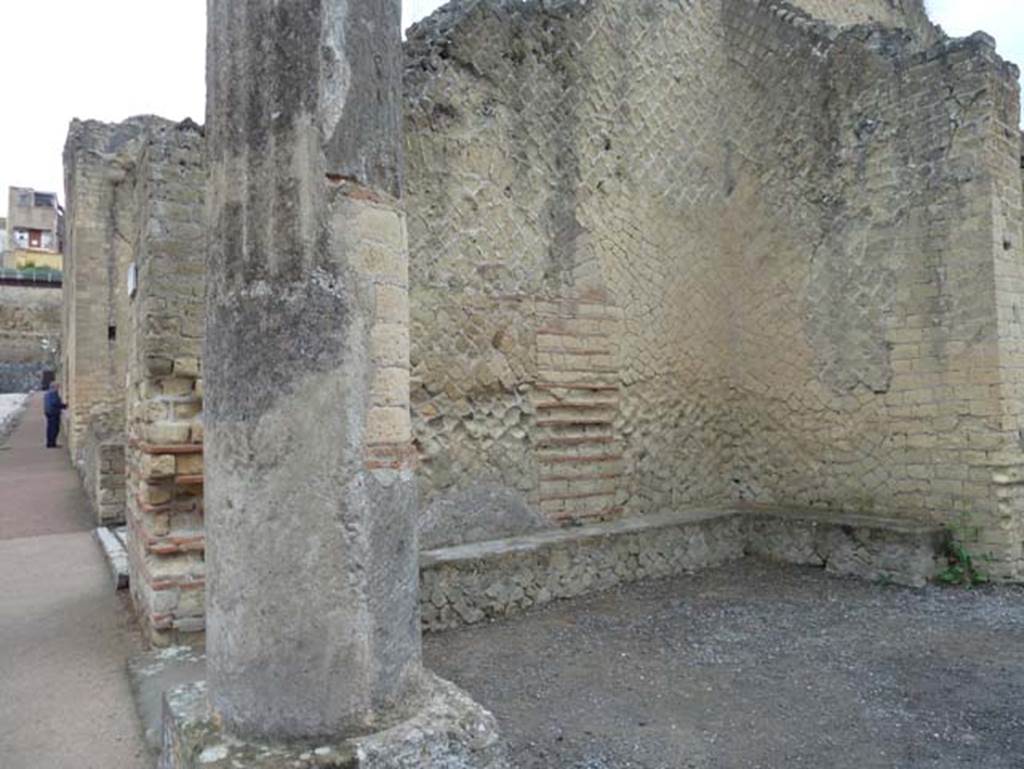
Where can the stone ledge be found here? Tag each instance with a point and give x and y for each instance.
(470, 583)
(170, 448)
(450, 731)
(112, 543)
(899, 551)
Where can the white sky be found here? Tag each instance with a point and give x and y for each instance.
(111, 59)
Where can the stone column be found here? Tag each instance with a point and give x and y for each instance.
(313, 624)
(313, 641)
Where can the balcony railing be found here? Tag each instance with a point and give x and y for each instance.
(31, 275)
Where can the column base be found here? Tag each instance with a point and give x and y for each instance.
(451, 731)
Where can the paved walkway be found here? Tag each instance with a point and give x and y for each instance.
(65, 635)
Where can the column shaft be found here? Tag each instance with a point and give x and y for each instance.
(311, 547)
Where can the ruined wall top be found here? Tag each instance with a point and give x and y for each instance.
(108, 138)
(909, 15)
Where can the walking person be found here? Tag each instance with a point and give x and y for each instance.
(52, 406)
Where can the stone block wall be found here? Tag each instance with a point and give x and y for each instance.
(720, 252)
(135, 193)
(557, 175)
(868, 371)
(905, 14)
(103, 477)
(164, 392)
(30, 330)
(99, 168)
(634, 288)
(1002, 528)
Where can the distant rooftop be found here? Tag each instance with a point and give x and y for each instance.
(28, 197)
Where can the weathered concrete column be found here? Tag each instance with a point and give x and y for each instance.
(313, 625)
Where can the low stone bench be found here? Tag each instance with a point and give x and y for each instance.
(874, 548)
(469, 583)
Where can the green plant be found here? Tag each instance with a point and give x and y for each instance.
(962, 568)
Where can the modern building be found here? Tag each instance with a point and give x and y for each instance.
(35, 229)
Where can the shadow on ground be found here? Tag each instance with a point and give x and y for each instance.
(754, 665)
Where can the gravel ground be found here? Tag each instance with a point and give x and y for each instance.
(754, 665)
(10, 408)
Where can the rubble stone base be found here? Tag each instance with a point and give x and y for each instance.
(472, 583)
(450, 731)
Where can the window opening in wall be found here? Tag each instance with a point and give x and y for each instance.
(111, 333)
(45, 200)
(35, 238)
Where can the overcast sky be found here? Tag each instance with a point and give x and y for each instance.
(111, 59)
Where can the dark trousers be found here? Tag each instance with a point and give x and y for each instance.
(52, 429)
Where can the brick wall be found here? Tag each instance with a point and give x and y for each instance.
(707, 253)
(100, 200)
(164, 393)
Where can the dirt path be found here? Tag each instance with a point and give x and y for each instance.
(64, 634)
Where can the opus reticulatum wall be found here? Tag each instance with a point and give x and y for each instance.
(714, 251)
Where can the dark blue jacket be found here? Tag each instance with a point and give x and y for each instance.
(52, 404)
